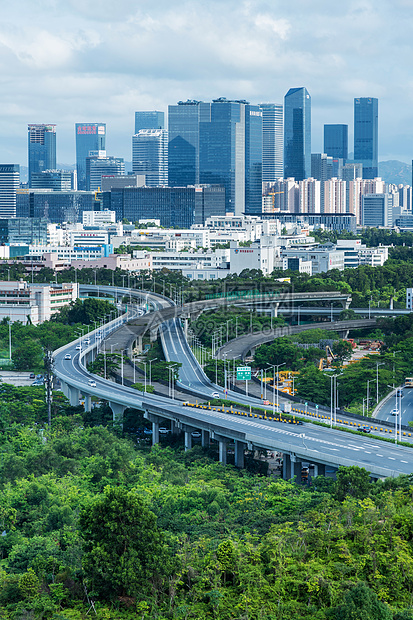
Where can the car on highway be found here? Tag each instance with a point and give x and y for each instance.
(68, 356)
(32, 375)
(365, 429)
(147, 431)
(78, 347)
(196, 434)
(38, 382)
(91, 383)
(215, 395)
(394, 412)
(163, 430)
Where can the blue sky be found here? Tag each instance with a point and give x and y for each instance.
(67, 61)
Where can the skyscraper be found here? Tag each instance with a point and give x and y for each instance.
(41, 148)
(272, 141)
(89, 137)
(9, 184)
(366, 130)
(150, 119)
(336, 141)
(150, 156)
(183, 146)
(297, 134)
(98, 164)
(230, 153)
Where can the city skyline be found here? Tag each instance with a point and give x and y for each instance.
(74, 62)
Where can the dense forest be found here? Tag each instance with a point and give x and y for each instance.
(96, 525)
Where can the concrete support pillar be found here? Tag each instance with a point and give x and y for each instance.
(73, 396)
(188, 440)
(174, 428)
(186, 328)
(319, 470)
(88, 402)
(153, 334)
(239, 454)
(117, 411)
(65, 388)
(286, 466)
(205, 439)
(155, 433)
(296, 469)
(223, 452)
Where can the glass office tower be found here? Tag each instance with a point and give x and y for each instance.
(272, 142)
(297, 134)
(89, 137)
(149, 119)
(150, 156)
(336, 141)
(183, 146)
(366, 131)
(41, 148)
(231, 153)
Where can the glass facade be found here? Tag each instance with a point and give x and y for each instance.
(297, 134)
(253, 159)
(149, 119)
(23, 230)
(41, 148)
(272, 142)
(150, 156)
(336, 141)
(183, 146)
(366, 130)
(89, 137)
(56, 207)
(98, 166)
(57, 180)
(9, 185)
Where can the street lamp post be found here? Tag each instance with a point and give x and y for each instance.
(377, 380)
(150, 369)
(144, 363)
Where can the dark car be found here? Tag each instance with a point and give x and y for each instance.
(365, 429)
(32, 375)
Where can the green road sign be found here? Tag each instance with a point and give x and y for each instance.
(243, 373)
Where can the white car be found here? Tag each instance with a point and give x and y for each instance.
(394, 412)
(164, 431)
(68, 356)
(215, 395)
(91, 383)
(196, 434)
(78, 347)
(87, 341)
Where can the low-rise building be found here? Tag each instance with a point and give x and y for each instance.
(34, 303)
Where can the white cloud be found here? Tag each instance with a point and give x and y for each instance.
(68, 60)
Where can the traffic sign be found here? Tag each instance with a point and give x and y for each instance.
(243, 373)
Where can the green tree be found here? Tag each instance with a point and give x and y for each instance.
(29, 584)
(353, 481)
(342, 349)
(313, 385)
(125, 551)
(361, 603)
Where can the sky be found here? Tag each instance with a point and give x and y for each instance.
(67, 61)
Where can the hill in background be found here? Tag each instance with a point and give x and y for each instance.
(394, 171)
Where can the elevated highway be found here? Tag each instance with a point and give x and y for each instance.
(239, 347)
(319, 445)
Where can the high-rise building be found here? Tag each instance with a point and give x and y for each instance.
(57, 180)
(59, 207)
(272, 142)
(183, 146)
(89, 137)
(366, 131)
(149, 119)
(98, 164)
(218, 143)
(334, 196)
(41, 148)
(310, 195)
(376, 210)
(336, 141)
(150, 156)
(297, 134)
(230, 153)
(9, 184)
